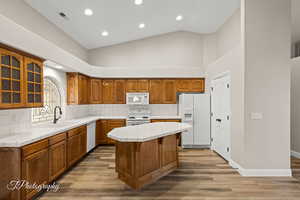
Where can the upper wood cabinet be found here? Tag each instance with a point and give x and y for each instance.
(198, 85)
(190, 85)
(21, 80)
(83, 85)
(77, 88)
(120, 91)
(34, 82)
(113, 91)
(108, 94)
(95, 91)
(137, 85)
(155, 91)
(11, 83)
(169, 92)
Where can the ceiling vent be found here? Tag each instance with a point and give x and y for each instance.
(63, 15)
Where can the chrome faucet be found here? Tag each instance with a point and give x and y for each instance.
(60, 113)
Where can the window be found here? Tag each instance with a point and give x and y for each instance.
(52, 98)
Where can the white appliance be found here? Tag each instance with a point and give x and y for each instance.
(194, 109)
(91, 134)
(138, 114)
(137, 98)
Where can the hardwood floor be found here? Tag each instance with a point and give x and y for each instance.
(202, 176)
(296, 167)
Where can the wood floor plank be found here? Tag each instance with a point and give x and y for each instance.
(202, 175)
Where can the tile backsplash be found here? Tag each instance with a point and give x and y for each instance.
(19, 119)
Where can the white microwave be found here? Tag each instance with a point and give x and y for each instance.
(137, 98)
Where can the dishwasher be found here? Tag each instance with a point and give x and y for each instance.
(91, 134)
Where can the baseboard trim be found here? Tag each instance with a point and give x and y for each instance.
(267, 172)
(295, 154)
(260, 172)
(196, 146)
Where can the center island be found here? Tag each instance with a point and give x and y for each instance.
(147, 152)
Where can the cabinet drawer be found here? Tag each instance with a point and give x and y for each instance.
(35, 147)
(75, 131)
(57, 138)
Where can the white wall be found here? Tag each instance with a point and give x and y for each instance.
(179, 49)
(24, 15)
(232, 63)
(224, 54)
(266, 47)
(295, 105)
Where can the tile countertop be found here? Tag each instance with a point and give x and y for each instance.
(146, 132)
(42, 131)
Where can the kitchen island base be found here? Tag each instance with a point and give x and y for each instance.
(142, 163)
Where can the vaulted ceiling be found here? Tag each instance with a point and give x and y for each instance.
(121, 18)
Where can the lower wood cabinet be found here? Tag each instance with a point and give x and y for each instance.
(57, 156)
(40, 162)
(165, 120)
(35, 170)
(103, 127)
(76, 145)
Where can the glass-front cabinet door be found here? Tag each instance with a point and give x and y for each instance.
(11, 83)
(34, 82)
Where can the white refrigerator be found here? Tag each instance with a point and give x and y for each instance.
(194, 109)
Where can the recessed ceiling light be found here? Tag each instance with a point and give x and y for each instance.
(104, 33)
(179, 18)
(88, 12)
(138, 2)
(142, 25)
(58, 66)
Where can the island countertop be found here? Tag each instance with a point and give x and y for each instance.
(146, 132)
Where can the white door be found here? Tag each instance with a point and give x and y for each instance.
(202, 119)
(220, 120)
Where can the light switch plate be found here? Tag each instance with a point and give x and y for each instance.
(256, 116)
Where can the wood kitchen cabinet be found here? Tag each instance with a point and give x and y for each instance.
(113, 91)
(165, 120)
(95, 91)
(57, 155)
(103, 127)
(111, 124)
(12, 80)
(34, 82)
(83, 85)
(21, 80)
(35, 160)
(76, 144)
(77, 88)
(198, 85)
(120, 91)
(155, 91)
(137, 85)
(169, 92)
(40, 162)
(190, 85)
(108, 95)
(101, 130)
